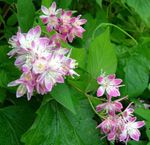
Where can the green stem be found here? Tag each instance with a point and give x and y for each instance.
(110, 24)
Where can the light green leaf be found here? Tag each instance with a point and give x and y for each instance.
(14, 121)
(25, 11)
(144, 113)
(136, 76)
(99, 2)
(79, 54)
(61, 93)
(101, 55)
(142, 8)
(47, 3)
(55, 125)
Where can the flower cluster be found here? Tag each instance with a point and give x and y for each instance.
(68, 27)
(41, 59)
(117, 124)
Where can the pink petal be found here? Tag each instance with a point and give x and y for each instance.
(48, 85)
(20, 91)
(45, 10)
(111, 136)
(69, 13)
(11, 84)
(60, 79)
(112, 91)
(37, 31)
(100, 91)
(117, 81)
(44, 19)
(110, 77)
(100, 79)
(49, 28)
(135, 134)
(139, 124)
(100, 107)
(83, 21)
(123, 136)
(53, 6)
(118, 106)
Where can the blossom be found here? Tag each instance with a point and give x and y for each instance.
(131, 130)
(42, 61)
(120, 126)
(110, 107)
(62, 22)
(50, 16)
(26, 85)
(109, 84)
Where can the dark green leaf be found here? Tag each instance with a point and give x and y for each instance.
(57, 126)
(25, 11)
(99, 2)
(14, 121)
(61, 93)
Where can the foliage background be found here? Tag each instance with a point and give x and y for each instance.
(116, 40)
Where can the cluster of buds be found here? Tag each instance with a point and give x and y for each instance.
(117, 125)
(66, 26)
(41, 59)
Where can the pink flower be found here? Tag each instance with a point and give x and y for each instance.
(128, 114)
(26, 85)
(47, 62)
(131, 131)
(110, 107)
(50, 16)
(109, 84)
(62, 22)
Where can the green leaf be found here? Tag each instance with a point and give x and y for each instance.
(9, 1)
(64, 3)
(136, 76)
(79, 54)
(55, 125)
(99, 2)
(142, 8)
(2, 95)
(47, 3)
(137, 143)
(144, 113)
(14, 121)
(12, 20)
(25, 11)
(101, 55)
(61, 93)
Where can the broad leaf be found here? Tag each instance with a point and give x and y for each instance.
(25, 11)
(101, 55)
(136, 76)
(141, 7)
(14, 121)
(61, 93)
(55, 125)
